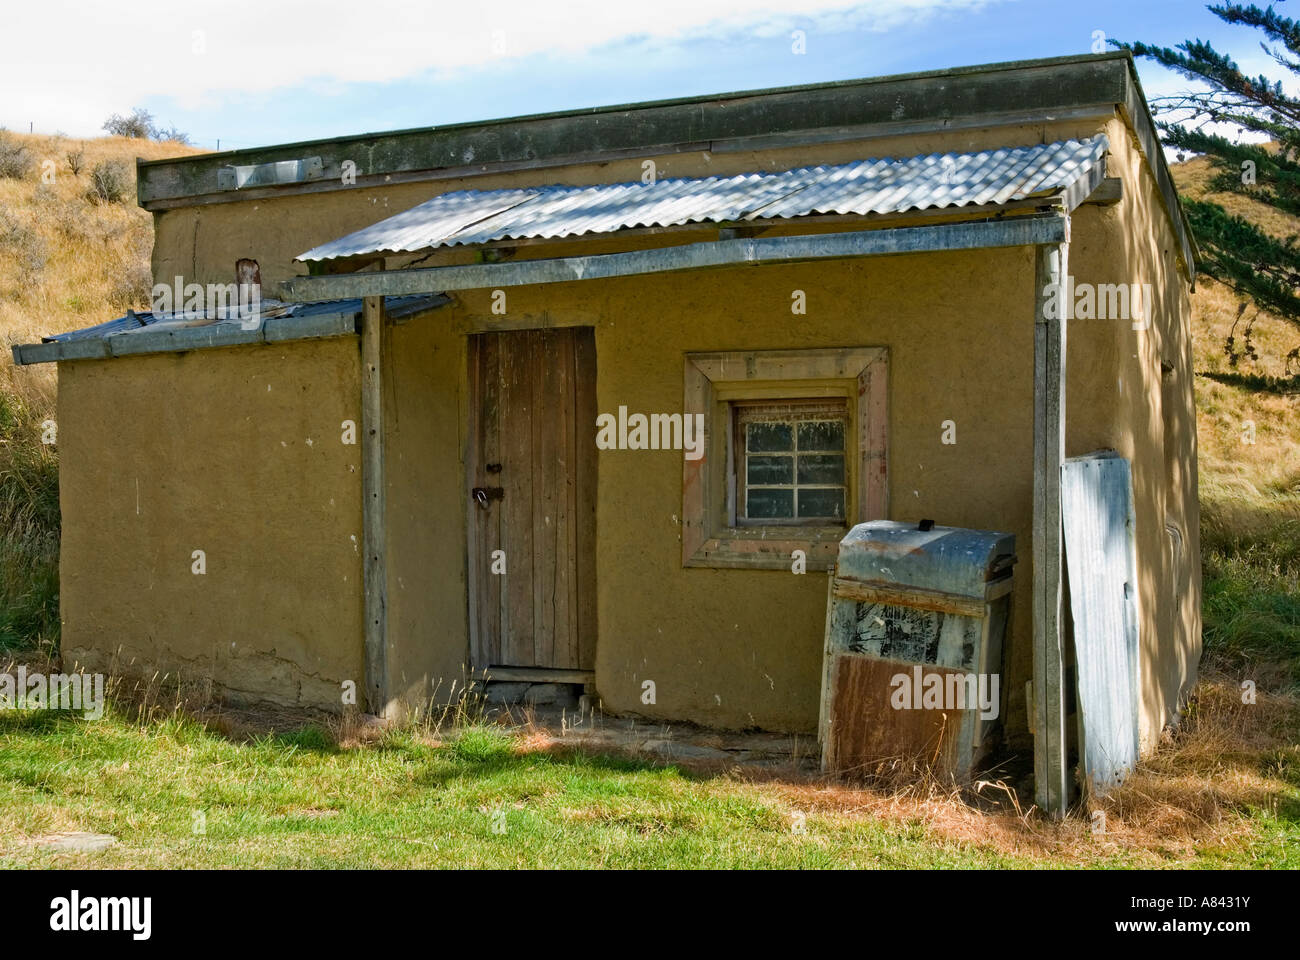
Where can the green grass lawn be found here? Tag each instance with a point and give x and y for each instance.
(297, 801)
(476, 800)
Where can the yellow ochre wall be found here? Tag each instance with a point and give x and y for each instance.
(236, 452)
(1118, 396)
(729, 648)
(742, 648)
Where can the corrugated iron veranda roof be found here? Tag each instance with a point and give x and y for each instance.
(875, 186)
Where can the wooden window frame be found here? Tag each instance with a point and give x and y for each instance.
(714, 382)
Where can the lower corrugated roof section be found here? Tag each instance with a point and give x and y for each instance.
(276, 322)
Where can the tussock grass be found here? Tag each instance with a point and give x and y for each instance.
(1226, 781)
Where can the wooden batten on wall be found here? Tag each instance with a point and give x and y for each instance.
(372, 487)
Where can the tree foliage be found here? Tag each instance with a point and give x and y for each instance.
(1265, 167)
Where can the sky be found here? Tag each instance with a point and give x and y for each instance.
(243, 75)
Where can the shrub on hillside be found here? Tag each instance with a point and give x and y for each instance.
(138, 124)
(131, 287)
(171, 135)
(16, 161)
(22, 246)
(109, 181)
(70, 217)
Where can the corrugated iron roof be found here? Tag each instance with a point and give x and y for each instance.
(877, 186)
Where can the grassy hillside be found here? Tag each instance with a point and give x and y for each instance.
(1250, 492)
(74, 251)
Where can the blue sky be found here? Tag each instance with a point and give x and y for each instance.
(292, 70)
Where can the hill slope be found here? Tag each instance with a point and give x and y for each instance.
(69, 258)
(1250, 491)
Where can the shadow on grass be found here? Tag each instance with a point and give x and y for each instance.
(1288, 810)
(470, 755)
(1282, 386)
(37, 721)
(310, 738)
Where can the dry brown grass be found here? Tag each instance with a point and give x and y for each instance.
(94, 257)
(1233, 470)
(1209, 773)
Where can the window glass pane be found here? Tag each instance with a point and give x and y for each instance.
(793, 461)
(821, 435)
(820, 468)
(771, 504)
(770, 436)
(770, 470)
(819, 503)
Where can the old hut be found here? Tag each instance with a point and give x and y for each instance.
(523, 399)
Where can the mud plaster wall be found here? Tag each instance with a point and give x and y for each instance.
(742, 648)
(1148, 415)
(237, 452)
(424, 414)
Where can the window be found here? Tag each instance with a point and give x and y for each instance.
(790, 461)
(796, 450)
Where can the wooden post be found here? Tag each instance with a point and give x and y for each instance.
(1051, 268)
(372, 512)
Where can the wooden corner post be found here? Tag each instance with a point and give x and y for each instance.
(372, 511)
(1051, 309)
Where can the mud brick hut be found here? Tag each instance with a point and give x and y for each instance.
(392, 476)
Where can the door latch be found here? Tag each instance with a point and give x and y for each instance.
(482, 495)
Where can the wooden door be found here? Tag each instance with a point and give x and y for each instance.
(532, 499)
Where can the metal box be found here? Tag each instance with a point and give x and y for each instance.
(915, 623)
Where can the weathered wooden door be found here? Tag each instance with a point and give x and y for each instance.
(532, 499)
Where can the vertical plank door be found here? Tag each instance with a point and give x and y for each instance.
(532, 499)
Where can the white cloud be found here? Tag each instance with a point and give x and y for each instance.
(68, 65)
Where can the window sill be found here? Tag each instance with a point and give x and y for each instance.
(768, 548)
